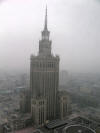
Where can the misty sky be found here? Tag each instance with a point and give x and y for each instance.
(74, 27)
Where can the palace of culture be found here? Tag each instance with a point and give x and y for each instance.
(44, 108)
(47, 102)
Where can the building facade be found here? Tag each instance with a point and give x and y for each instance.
(25, 101)
(64, 108)
(38, 111)
(43, 100)
(44, 75)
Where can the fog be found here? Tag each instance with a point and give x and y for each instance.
(74, 26)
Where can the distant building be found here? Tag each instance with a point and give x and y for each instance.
(44, 76)
(64, 77)
(63, 105)
(25, 101)
(44, 97)
(17, 121)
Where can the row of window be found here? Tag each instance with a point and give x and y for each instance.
(41, 115)
(44, 65)
(40, 103)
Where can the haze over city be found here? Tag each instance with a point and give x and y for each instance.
(74, 26)
(49, 66)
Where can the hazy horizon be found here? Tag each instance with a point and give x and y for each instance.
(74, 26)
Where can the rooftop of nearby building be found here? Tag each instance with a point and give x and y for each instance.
(56, 123)
(78, 129)
(76, 120)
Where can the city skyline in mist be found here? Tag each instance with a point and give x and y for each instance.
(74, 26)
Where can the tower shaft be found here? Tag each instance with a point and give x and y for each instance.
(44, 76)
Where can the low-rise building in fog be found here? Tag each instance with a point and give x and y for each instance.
(25, 101)
(64, 108)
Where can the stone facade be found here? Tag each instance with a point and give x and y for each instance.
(46, 103)
(38, 110)
(44, 74)
(64, 105)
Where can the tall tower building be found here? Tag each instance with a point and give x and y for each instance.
(44, 78)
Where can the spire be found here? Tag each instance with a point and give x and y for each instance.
(45, 32)
(45, 26)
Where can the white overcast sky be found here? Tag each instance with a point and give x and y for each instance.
(74, 27)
